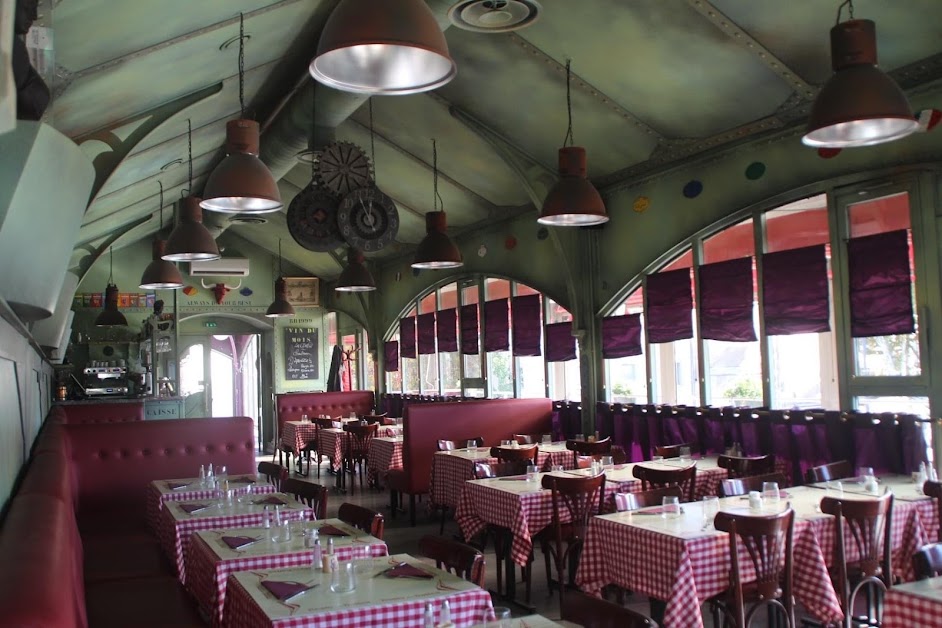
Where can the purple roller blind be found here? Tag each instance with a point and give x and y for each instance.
(425, 325)
(795, 291)
(496, 326)
(391, 349)
(560, 343)
(527, 324)
(726, 299)
(881, 300)
(447, 328)
(469, 329)
(621, 336)
(407, 337)
(670, 304)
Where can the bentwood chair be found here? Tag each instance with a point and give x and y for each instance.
(593, 612)
(742, 486)
(515, 454)
(362, 518)
(625, 502)
(828, 472)
(314, 495)
(933, 489)
(927, 561)
(321, 424)
(356, 450)
(595, 449)
(275, 474)
(741, 467)
(653, 477)
(672, 451)
(764, 543)
(502, 536)
(461, 559)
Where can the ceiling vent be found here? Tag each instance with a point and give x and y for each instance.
(223, 267)
(248, 219)
(494, 16)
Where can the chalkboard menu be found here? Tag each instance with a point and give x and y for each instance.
(300, 353)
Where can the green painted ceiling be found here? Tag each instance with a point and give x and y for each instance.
(656, 82)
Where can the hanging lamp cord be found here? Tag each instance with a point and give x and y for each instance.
(313, 126)
(437, 198)
(372, 140)
(569, 137)
(242, 64)
(111, 265)
(280, 269)
(189, 152)
(160, 183)
(850, 9)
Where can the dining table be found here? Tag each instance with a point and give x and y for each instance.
(385, 453)
(391, 592)
(212, 555)
(914, 604)
(189, 489)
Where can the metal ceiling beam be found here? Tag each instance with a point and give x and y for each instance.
(86, 263)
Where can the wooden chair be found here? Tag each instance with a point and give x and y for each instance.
(619, 455)
(502, 536)
(321, 424)
(446, 445)
(869, 522)
(484, 470)
(933, 489)
(595, 449)
(356, 449)
(767, 544)
(593, 612)
(828, 472)
(275, 474)
(741, 467)
(684, 477)
(742, 486)
(927, 561)
(459, 558)
(643, 499)
(672, 451)
(511, 454)
(314, 495)
(529, 439)
(575, 500)
(379, 419)
(362, 518)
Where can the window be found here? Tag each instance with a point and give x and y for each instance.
(674, 364)
(531, 370)
(394, 378)
(429, 361)
(627, 377)
(409, 368)
(565, 382)
(472, 363)
(450, 361)
(499, 373)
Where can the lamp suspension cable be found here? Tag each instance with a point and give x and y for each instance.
(840, 9)
(281, 270)
(437, 199)
(313, 140)
(189, 152)
(569, 140)
(111, 265)
(161, 226)
(372, 140)
(242, 64)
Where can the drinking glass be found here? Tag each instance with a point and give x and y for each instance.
(866, 473)
(711, 506)
(222, 473)
(579, 437)
(533, 473)
(556, 467)
(671, 505)
(504, 442)
(360, 555)
(305, 419)
(770, 493)
(471, 444)
(497, 617)
(547, 439)
(657, 458)
(344, 578)
(608, 462)
(684, 453)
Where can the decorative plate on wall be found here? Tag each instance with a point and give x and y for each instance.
(368, 219)
(312, 219)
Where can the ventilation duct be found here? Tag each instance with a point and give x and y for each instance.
(39, 222)
(49, 331)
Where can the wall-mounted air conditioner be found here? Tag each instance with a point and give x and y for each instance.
(224, 267)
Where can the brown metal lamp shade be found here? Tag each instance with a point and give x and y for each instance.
(436, 250)
(280, 306)
(110, 316)
(573, 201)
(356, 276)
(388, 47)
(859, 105)
(190, 240)
(161, 274)
(241, 183)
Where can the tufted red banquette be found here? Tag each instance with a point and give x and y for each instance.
(292, 405)
(98, 412)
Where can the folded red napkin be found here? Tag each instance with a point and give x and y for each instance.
(330, 530)
(176, 485)
(245, 479)
(508, 478)
(271, 500)
(285, 590)
(191, 508)
(235, 542)
(407, 571)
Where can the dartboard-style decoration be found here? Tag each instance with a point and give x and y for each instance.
(368, 219)
(343, 167)
(312, 219)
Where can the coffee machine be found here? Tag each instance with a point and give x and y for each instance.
(105, 381)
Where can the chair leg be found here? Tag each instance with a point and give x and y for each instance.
(393, 502)
(499, 560)
(412, 509)
(441, 527)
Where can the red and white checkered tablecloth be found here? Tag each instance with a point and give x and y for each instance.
(159, 491)
(914, 604)
(377, 601)
(209, 561)
(295, 435)
(385, 454)
(175, 526)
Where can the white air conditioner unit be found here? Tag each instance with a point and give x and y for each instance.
(224, 267)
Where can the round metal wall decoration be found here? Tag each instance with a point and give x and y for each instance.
(312, 219)
(343, 167)
(368, 219)
(641, 203)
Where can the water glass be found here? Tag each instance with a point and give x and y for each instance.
(471, 444)
(866, 473)
(556, 467)
(579, 437)
(497, 617)
(711, 506)
(360, 555)
(533, 472)
(671, 504)
(547, 439)
(771, 494)
(305, 419)
(504, 442)
(684, 453)
(608, 462)
(222, 473)
(344, 578)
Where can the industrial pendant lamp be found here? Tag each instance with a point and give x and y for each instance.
(280, 306)
(161, 274)
(190, 240)
(356, 276)
(241, 183)
(573, 201)
(110, 315)
(436, 250)
(390, 47)
(859, 105)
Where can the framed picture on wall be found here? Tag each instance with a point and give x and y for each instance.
(303, 291)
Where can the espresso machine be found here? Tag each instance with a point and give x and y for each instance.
(105, 381)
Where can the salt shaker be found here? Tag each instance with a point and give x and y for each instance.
(317, 560)
(755, 500)
(429, 620)
(444, 617)
(266, 517)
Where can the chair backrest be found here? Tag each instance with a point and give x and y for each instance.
(362, 518)
(446, 445)
(643, 499)
(515, 454)
(742, 486)
(596, 449)
(358, 443)
(656, 477)
(740, 467)
(314, 495)
(379, 419)
(672, 451)
(581, 497)
(767, 541)
(933, 489)
(593, 612)
(619, 456)
(463, 560)
(276, 474)
(528, 439)
(478, 441)
(869, 522)
(831, 471)
(927, 561)
(325, 422)
(484, 470)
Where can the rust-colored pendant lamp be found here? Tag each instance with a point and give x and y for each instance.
(356, 277)
(280, 307)
(859, 105)
(573, 201)
(436, 251)
(241, 183)
(110, 315)
(390, 47)
(161, 274)
(190, 240)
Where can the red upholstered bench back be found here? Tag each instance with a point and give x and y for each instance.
(98, 412)
(292, 405)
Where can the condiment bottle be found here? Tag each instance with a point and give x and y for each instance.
(317, 561)
(444, 618)
(326, 558)
(429, 621)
